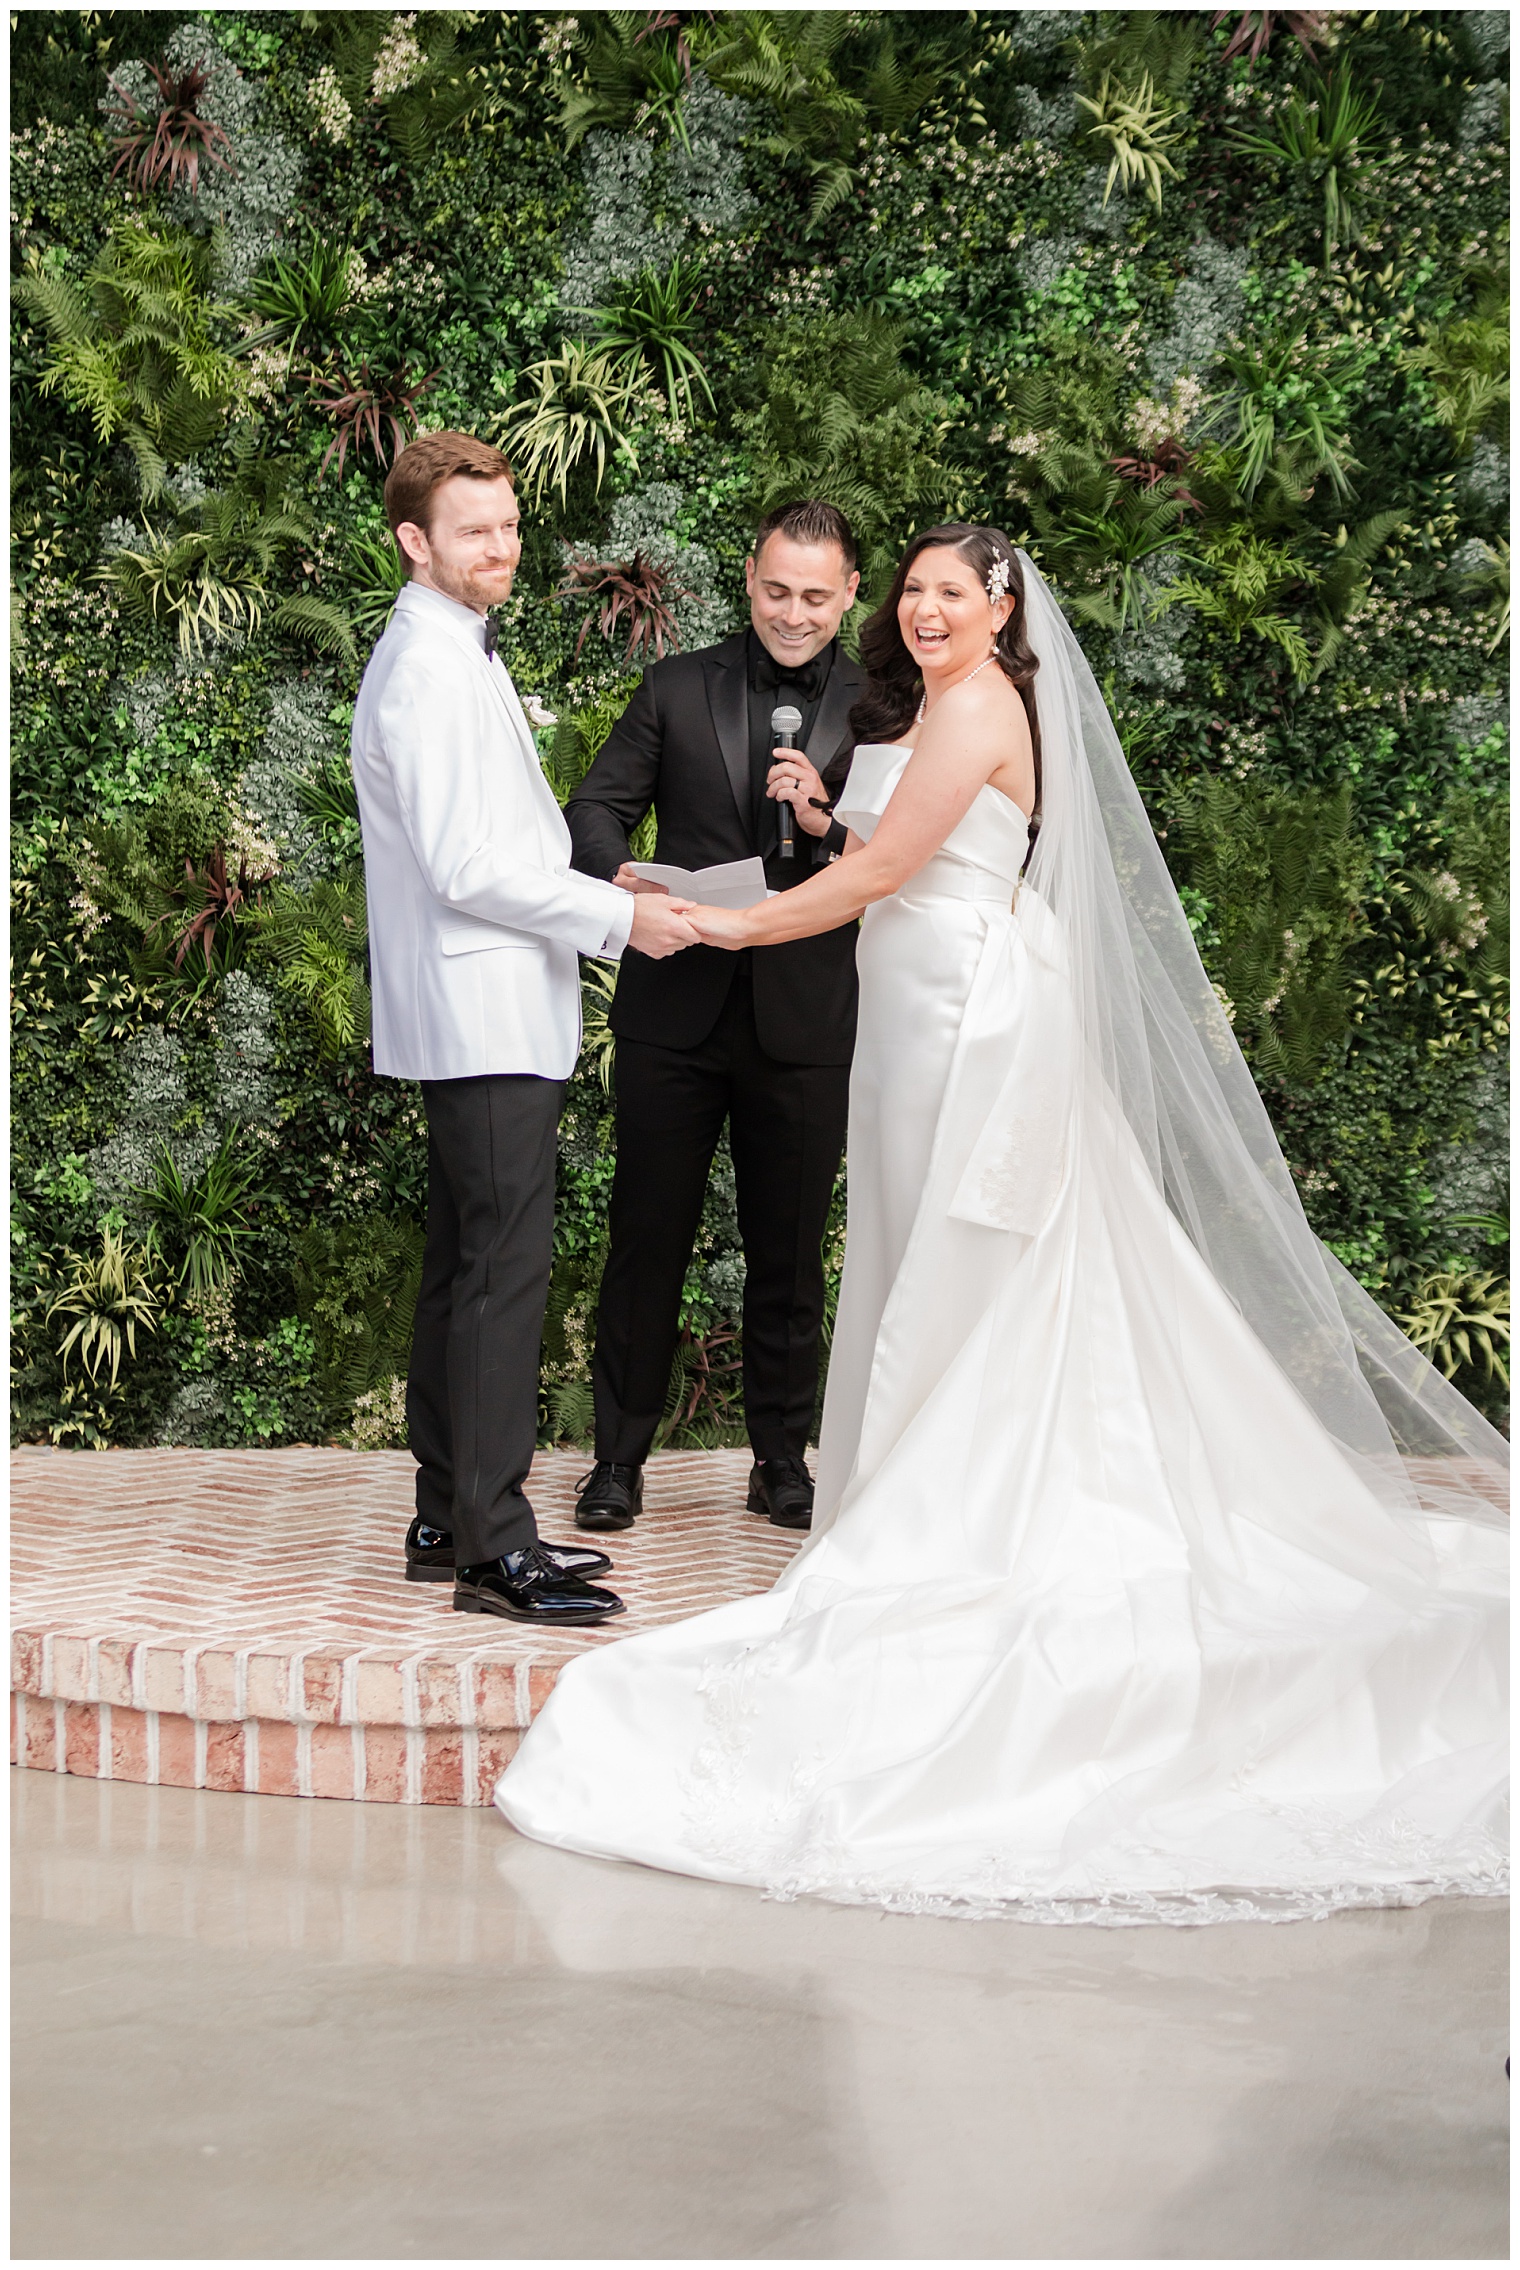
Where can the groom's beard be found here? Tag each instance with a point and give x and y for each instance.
(479, 588)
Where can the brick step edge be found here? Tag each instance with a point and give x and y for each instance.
(378, 1765)
(376, 1684)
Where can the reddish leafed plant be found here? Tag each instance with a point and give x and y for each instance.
(713, 1368)
(635, 591)
(1252, 36)
(368, 409)
(223, 899)
(171, 144)
(1168, 461)
(671, 20)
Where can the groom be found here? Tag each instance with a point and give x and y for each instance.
(475, 925)
(762, 1040)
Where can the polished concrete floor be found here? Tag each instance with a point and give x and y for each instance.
(272, 2028)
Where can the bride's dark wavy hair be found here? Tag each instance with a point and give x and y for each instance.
(894, 687)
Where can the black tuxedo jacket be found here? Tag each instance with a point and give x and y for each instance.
(682, 745)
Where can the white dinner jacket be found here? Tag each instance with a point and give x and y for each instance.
(475, 919)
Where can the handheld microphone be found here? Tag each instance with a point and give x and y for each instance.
(786, 724)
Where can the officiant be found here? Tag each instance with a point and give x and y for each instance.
(760, 1040)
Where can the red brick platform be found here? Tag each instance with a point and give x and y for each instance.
(238, 1619)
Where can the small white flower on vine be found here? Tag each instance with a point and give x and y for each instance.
(998, 576)
(330, 107)
(400, 61)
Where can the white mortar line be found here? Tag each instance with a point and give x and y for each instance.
(416, 1742)
(469, 1766)
(240, 1681)
(250, 1754)
(140, 1675)
(45, 1675)
(150, 1718)
(92, 1675)
(60, 1757)
(411, 1700)
(361, 1760)
(103, 1742)
(303, 1758)
(202, 1730)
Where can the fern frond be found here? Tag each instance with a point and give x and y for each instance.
(325, 625)
(62, 311)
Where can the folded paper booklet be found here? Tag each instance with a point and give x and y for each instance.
(738, 884)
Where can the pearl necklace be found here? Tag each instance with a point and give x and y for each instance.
(923, 707)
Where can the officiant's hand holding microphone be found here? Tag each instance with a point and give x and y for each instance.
(793, 782)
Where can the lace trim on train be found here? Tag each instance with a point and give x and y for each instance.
(1426, 1872)
(1117, 1908)
(785, 1849)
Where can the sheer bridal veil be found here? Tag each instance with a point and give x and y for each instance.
(1157, 1039)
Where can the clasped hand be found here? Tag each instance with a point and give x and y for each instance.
(663, 925)
(660, 925)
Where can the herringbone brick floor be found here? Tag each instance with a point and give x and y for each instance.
(239, 1619)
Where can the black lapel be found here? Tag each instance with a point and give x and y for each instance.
(830, 736)
(728, 699)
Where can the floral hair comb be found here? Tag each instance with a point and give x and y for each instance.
(997, 580)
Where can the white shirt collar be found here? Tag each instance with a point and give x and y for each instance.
(465, 618)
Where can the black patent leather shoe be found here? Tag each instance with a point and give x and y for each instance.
(610, 1497)
(782, 1489)
(529, 1589)
(430, 1556)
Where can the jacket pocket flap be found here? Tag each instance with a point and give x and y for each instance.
(482, 937)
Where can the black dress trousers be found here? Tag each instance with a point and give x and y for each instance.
(786, 1131)
(472, 1387)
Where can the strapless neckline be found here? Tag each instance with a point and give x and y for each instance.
(904, 750)
(992, 834)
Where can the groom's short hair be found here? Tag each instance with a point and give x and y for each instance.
(425, 464)
(809, 521)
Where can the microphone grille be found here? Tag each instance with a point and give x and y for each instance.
(786, 719)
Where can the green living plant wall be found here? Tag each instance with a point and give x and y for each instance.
(1208, 310)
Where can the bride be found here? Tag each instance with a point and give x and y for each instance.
(1155, 1576)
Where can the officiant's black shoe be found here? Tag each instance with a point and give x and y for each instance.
(611, 1497)
(528, 1588)
(430, 1556)
(782, 1489)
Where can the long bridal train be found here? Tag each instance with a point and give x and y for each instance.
(1119, 1606)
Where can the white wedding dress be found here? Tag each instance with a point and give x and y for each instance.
(1097, 1621)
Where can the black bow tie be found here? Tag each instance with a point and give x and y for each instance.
(490, 638)
(806, 679)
